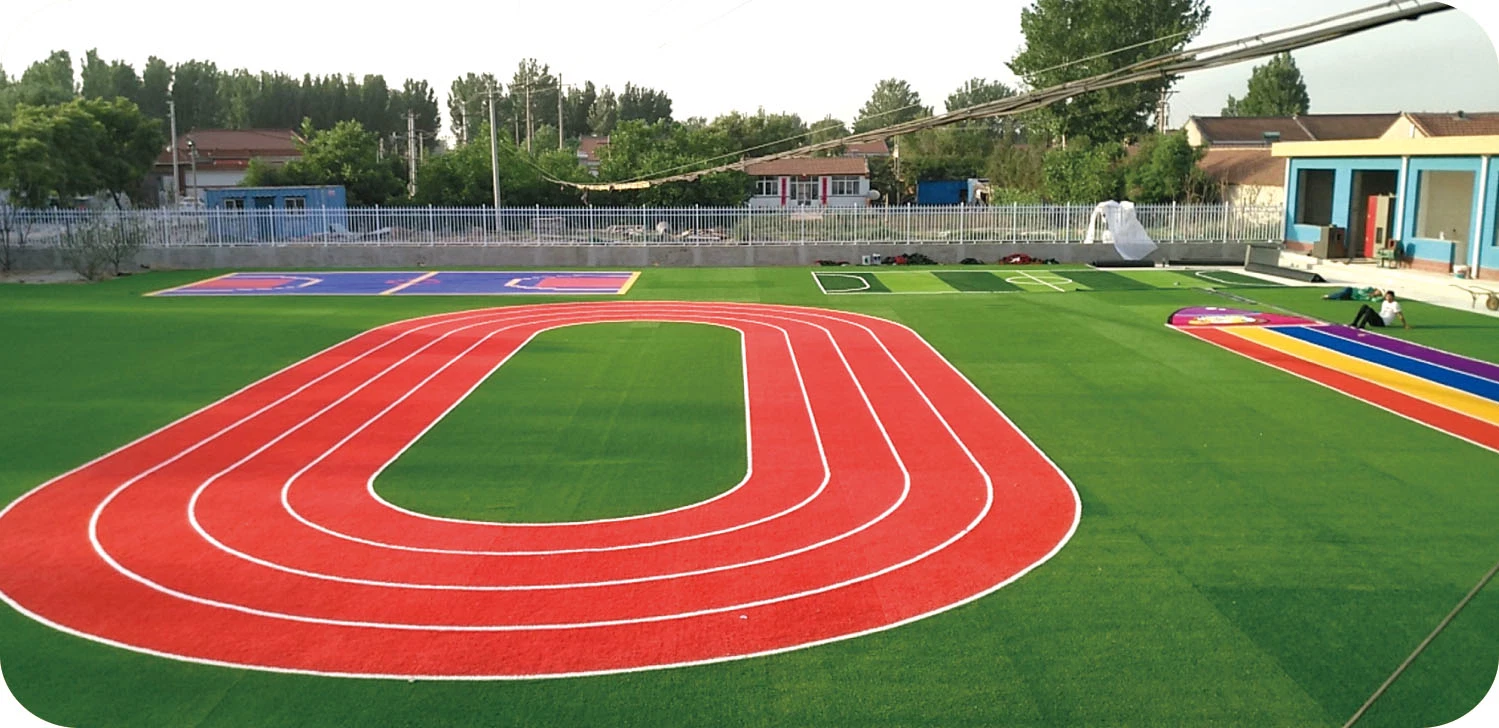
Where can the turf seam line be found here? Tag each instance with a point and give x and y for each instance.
(1422, 647)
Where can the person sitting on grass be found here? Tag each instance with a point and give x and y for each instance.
(1355, 294)
(1385, 316)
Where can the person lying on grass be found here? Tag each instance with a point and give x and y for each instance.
(1355, 294)
(1385, 316)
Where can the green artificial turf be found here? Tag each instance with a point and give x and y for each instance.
(586, 422)
(975, 281)
(1254, 550)
(913, 281)
(1102, 280)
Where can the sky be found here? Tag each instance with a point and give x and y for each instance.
(714, 56)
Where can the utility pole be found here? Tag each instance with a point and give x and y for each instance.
(1163, 111)
(176, 175)
(559, 111)
(494, 161)
(463, 125)
(530, 130)
(411, 153)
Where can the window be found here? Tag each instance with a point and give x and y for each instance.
(295, 204)
(770, 186)
(1314, 196)
(845, 185)
(1444, 207)
(234, 203)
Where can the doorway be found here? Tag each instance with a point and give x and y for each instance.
(1367, 184)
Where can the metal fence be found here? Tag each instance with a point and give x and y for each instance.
(654, 226)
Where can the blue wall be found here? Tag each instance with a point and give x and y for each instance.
(1342, 194)
(323, 208)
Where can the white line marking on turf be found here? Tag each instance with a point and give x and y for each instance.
(860, 278)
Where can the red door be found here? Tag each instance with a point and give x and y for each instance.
(1372, 223)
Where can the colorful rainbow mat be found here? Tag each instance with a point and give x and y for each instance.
(1445, 391)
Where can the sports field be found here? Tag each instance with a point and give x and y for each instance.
(742, 497)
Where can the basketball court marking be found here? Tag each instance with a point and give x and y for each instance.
(410, 283)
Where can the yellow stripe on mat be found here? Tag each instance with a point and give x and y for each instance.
(1438, 394)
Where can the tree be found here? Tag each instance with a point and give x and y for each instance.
(637, 103)
(128, 145)
(977, 91)
(637, 149)
(944, 153)
(103, 80)
(604, 113)
(347, 155)
(1164, 169)
(1275, 89)
(893, 102)
(760, 134)
(1082, 172)
(826, 130)
(575, 108)
(195, 88)
(462, 176)
(1068, 40)
(467, 105)
(417, 97)
(48, 82)
(156, 88)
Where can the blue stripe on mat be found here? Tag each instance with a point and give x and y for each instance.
(1478, 386)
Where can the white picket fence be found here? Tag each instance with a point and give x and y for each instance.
(653, 226)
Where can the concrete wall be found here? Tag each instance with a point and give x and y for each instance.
(1427, 253)
(1488, 251)
(358, 256)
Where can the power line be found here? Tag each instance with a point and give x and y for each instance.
(1164, 66)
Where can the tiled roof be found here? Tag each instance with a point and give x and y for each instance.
(1250, 130)
(1458, 124)
(876, 148)
(243, 144)
(1244, 167)
(809, 166)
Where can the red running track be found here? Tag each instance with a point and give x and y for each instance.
(883, 487)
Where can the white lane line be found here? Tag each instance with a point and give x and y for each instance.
(637, 620)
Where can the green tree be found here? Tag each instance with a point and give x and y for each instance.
(417, 97)
(637, 149)
(826, 130)
(1016, 169)
(1068, 40)
(156, 88)
(107, 80)
(1275, 89)
(893, 102)
(467, 104)
(638, 103)
(347, 155)
(537, 78)
(604, 113)
(462, 177)
(977, 91)
(128, 145)
(760, 134)
(1164, 169)
(47, 82)
(241, 92)
(195, 88)
(575, 107)
(944, 153)
(1082, 173)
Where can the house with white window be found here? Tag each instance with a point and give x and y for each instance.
(810, 182)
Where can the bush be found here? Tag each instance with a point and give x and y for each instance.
(101, 243)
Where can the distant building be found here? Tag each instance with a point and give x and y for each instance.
(221, 158)
(1430, 183)
(588, 152)
(1238, 147)
(876, 148)
(810, 182)
(277, 213)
